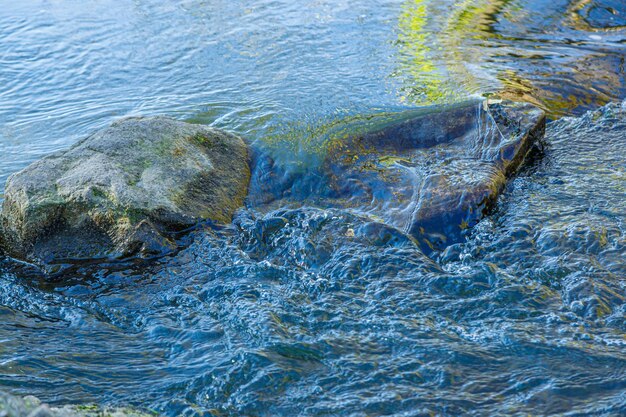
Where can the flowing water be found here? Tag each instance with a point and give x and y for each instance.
(312, 311)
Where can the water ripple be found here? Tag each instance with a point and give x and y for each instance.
(307, 311)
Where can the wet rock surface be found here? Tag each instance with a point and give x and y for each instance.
(131, 188)
(29, 406)
(431, 173)
(125, 190)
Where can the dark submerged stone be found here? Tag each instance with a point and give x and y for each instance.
(431, 173)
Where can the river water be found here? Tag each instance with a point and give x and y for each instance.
(288, 313)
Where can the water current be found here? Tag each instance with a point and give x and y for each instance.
(314, 311)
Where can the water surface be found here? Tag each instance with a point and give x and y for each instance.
(324, 312)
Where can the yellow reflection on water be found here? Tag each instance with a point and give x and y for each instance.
(417, 57)
(436, 62)
(451, 49)
(576, 15)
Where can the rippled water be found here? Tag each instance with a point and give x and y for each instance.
(566, 56)
(290, 312)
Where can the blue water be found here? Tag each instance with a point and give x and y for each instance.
(287, 313)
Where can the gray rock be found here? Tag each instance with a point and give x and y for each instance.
(29, 406)
(41, 411)
(432, 173)
(124, 190)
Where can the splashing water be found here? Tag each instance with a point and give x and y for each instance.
(317, 311)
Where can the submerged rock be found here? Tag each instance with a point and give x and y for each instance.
(124, 190)
(431, 173)
(131, 188)
(29, 406)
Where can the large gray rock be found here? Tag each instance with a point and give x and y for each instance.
(431, 172)
(124, 190)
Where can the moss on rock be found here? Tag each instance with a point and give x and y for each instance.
(138, 181)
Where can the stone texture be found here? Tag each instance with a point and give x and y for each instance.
(29, 406)
(127, 189)
(431, 173)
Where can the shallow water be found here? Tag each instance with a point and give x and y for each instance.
(287, 313)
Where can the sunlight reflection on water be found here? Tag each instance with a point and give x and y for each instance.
(322, 311)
